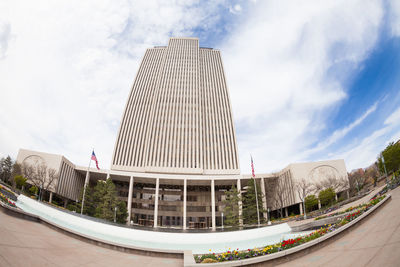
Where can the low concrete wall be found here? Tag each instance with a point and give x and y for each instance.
(292, 253)
(18, 213)
(158, 240)
(318, 223)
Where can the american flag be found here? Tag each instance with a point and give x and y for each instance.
(95, 159)
(252, 168)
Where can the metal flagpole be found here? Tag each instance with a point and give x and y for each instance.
(255, 188)
(86, 182)
(384, 167)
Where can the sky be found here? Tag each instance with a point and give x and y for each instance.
(308, 80)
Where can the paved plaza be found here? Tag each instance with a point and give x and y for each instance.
(376, 242)
(24, 243)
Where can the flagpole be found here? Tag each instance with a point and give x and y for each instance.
(86, 182)
(255, 188)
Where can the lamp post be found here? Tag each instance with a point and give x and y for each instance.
(304, 208)
(269, 217)
(222, 220)
(115, 214)
(384, 167)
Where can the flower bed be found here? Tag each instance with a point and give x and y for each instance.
(237, 254)
(356, 208)
(5, 200)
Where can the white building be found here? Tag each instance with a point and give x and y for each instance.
(176, 154)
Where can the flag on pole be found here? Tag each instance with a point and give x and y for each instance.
(252, 168)
(95, 159)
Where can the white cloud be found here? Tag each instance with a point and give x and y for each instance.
(235, 9)
(394, 118)
(280, 66)
(363, 153)
(68, 68)
(5, 37)
(340, 133)
(394, 14)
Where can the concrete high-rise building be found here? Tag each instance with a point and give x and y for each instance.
(175, 154)
(178, 118)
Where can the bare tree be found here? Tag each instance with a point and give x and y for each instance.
(336, 183)
(373, 174)
(281, 194)
(304, 188)
(40, 176)
(357, 180)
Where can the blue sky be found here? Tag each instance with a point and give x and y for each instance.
(308, 81)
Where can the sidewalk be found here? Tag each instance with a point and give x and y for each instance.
(376, 242)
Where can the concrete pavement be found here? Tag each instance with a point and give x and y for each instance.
(26, 243)
(375, 242)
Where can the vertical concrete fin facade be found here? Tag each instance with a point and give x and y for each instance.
(178, 117)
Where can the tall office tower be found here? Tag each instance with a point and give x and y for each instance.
(178, 117)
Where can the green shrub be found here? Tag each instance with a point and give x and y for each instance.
(20, 181)
(33, 190)
(310, 201)
(327, 196)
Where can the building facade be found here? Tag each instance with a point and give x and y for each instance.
(176, 153)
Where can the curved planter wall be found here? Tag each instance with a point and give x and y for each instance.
(289, 254)
(164, 242)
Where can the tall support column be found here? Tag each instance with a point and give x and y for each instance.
(348, 193)
(336, 198)
(184, 202)
(264, 199)
(156, 204)
(130, 200)
(239, 188)
(51, 197)
(301, 207)
(319, 204)
(286, 212)
(213, 204)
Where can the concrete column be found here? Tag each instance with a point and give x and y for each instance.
(319, 204)
(51, 197)
(156, 204)
(301, 208)
(336, 198)
(264, 199)
(130, 200)
(286, 212)
(184, 202)
(213, 204)
(348, 194)
(239, 188)
(108, 176)
(65, 203)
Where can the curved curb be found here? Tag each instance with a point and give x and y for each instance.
(288, 254)
(93, 240)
